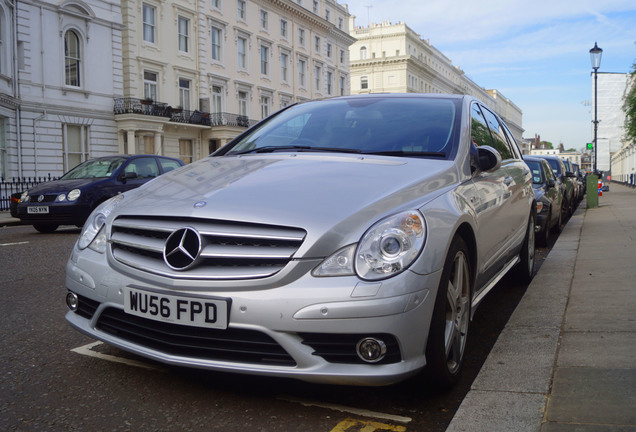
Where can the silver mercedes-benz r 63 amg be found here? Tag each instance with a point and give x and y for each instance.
(343, 241)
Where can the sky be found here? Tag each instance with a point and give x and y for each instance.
(534, 53)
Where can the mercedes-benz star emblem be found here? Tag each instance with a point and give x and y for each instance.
(182, 248)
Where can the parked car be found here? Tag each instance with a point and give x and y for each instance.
(580, 178)
(565, 181)
(342, 241)
(571, 173)
(70, 199)
(551, 213)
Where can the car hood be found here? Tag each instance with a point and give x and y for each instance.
(59, 186)
(327, 195)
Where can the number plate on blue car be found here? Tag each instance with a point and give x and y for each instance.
(38, 210)
(190, 311)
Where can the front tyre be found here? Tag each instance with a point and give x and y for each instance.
(451, 318)
(45, 228)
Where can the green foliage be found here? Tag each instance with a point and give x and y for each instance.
(547, 144)
(630, 109)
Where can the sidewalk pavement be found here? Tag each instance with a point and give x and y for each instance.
(566, 360)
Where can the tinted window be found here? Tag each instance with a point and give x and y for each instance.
(402, 126)
(556, 167)
(548, 171)
(498, 135)
(168, 164)
(144, 167)
(479, 128)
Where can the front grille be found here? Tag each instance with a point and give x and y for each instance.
(341, 348)
(229, 250)
(234, 345)
(46, 199)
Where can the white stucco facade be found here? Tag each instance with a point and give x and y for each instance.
(63, 99)
(243, 61)
(623, 159)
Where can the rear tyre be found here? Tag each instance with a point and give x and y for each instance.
(450, 323)
(525, 269)
(45, 228)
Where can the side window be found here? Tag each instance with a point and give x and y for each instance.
(512, 141)
(143, 167)
(479, 129)
(168, 164)
(548, 171)
(498, 136)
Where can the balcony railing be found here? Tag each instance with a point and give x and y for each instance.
(178, 115)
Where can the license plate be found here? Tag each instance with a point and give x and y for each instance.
(38, 210)
(190, 311)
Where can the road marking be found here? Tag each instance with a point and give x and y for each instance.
(366, 426)
(13, 244)
(87, 351)
(350, 410)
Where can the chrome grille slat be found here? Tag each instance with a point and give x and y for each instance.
(229, 250)
(146, 243)
(214, 229)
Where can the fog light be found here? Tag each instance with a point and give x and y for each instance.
(371, 350)
(72, 301)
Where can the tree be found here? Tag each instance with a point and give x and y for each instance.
(630, 108)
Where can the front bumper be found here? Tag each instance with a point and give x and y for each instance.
(58, 213)
(281, 331)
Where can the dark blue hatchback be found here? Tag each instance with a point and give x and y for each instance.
(70, 199)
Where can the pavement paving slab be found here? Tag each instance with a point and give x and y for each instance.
(593, 395)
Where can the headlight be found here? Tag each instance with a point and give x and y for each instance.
(24, 197)
(61, 197)
(74, 194)
(390, 246)
(93, 233)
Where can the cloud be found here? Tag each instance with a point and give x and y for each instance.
(535, 54)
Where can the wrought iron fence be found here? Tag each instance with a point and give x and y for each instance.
(178, 115)
(18, 185)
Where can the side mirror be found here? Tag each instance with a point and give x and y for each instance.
(489, 159)
(550, 183)
(127, 176)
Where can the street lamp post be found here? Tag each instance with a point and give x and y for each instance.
(595, 57)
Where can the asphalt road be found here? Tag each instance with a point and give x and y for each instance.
(55, 379)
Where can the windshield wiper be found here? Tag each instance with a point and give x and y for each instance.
(272, 149)
(403, 153)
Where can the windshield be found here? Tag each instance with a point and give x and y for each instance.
(95, 168)
(389, 126)
(537, 175)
